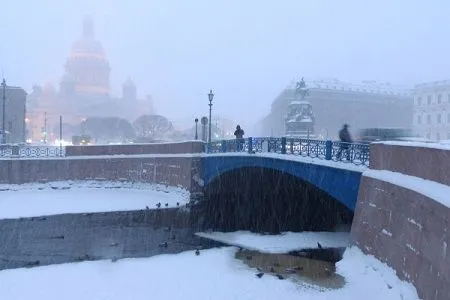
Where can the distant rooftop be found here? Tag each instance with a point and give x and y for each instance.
(367, 86)
(14, 89)
(433, 84)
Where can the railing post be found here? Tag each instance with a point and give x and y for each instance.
(308, 150)
(283, 145)
(15, 151)
(328, 149)
(224, 146)
(250, 145)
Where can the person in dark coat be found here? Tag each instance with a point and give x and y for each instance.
(239, 134)
(346, 140)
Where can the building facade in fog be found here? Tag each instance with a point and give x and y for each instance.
(432, 110)
(15, 110)
(364, 105)
(84, 91)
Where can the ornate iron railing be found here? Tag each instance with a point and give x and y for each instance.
(14, 151)
(355, 153)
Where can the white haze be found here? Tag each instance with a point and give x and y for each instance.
(246, 51)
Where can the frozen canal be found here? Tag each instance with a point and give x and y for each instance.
(32, 200)
(209, 274)
(213, 274)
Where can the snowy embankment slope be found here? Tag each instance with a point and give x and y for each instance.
(214, 274)
(283, 243)
(32, 200)
(431, 189)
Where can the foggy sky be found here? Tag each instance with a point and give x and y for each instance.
(246, 51)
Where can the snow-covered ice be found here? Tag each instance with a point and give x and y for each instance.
(431, 189)
(214, 274)
(283, 243)
(31, 200)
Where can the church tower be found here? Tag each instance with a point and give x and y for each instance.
(129, 91)
(87, 70)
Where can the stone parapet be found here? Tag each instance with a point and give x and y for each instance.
(402, 226)
(172, 170)
(133, 149)
(421, 160)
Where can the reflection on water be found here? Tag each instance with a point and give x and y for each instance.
(297, 268)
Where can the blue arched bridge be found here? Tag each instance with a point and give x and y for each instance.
(332, 167)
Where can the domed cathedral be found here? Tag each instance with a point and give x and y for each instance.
(84, 91)
(87, 69)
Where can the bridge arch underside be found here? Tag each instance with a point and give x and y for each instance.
(269, 200)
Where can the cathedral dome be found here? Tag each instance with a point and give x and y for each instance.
(87, 66)
(87, 46)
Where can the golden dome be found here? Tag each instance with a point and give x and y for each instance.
(87, 69)
(87, 46)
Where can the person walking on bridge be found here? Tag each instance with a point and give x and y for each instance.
(346, 140)
(239, 134)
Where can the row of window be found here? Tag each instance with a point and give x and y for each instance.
(438, 136)
(429, 120)
(439, 99)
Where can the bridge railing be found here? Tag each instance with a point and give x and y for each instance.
(355, 153)
(30, 151)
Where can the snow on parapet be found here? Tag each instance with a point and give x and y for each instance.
(298, 158)
(432, 145)
(431, 189)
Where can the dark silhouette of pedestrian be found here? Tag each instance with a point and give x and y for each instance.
(346, 140)
(239, 134)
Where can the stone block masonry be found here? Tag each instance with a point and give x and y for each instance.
(403, 227)
(133, 149)
(170, 170)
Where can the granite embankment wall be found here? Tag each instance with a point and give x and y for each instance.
(133, 149)
(172, 164)
(403, 227)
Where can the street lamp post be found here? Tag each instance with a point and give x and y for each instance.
(196, 131)
(3, 112)
(210, 98)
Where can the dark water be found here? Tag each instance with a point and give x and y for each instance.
(295, 266)
(38, 241)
